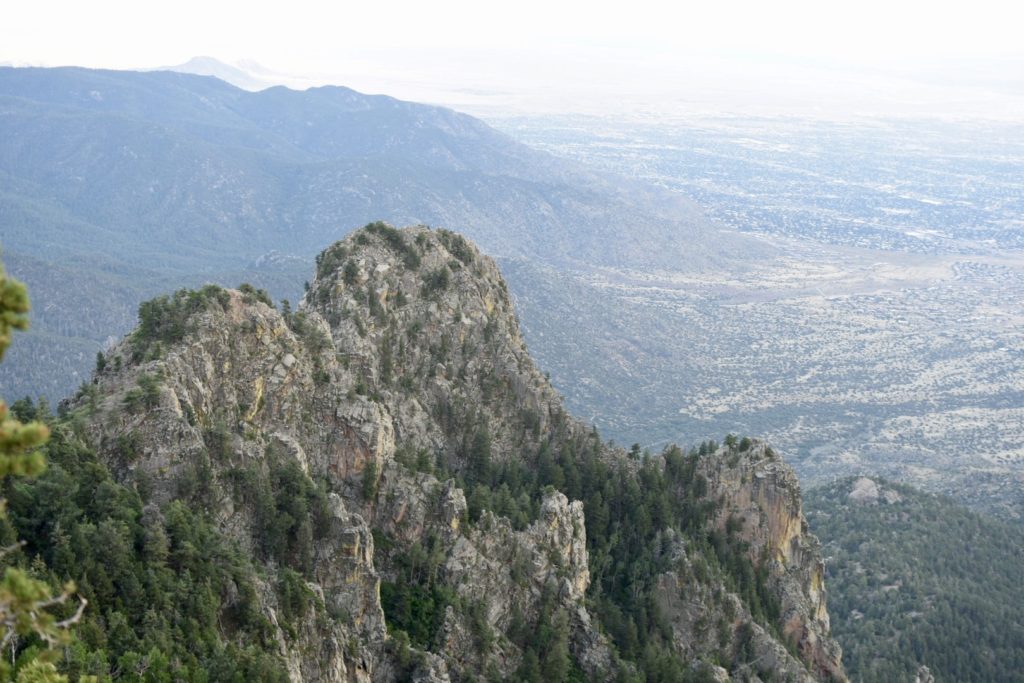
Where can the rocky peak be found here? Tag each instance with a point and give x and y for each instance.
(561, 529)
(423, 322)
(759, 502)
(397, 403)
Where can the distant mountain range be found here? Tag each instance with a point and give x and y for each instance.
(115, 185)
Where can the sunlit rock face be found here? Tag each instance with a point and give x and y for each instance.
(760, 499)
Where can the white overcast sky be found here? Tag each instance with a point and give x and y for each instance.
(551, 54)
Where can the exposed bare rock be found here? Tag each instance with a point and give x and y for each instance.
(432, 331)
(759, 497)
(868, 492)
(864, 491)
(709, 622)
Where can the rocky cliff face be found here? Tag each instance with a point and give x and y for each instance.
(759, 498)
(424, 322)
(401, 374)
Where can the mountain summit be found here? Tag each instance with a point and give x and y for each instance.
(229, 73)
(416, 503)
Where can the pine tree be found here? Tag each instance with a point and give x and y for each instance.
(27, 605)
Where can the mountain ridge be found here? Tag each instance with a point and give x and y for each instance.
(401, 383)
(177, 180)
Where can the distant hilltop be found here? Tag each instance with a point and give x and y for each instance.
(245, 75)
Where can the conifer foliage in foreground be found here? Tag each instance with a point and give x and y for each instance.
(33, 618)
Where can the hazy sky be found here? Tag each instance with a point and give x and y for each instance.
(530, 52)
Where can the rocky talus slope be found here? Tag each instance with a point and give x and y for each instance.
(401, 390)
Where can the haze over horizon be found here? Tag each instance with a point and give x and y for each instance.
(798, 58)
